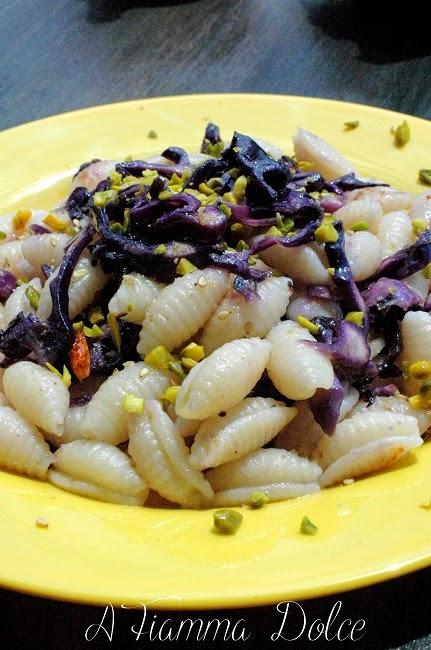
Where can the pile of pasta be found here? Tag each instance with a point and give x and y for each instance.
(239, 419)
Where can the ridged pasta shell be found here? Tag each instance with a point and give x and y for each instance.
(371, 457)
(181, 309)
(244, 428)
(105, 418)
(22, 447)
(223, 379)
(326, 160)
(235, 318)
(38, 395)
(295, 368)
(163, 459)
(133, 297)
(86, 489)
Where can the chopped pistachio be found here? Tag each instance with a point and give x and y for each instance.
(21, 281)
(229, 197)
(130, 307)
(72, 230)
(93, 332)
(188, 363)
(311, 327)
(96, 316)
(307, 527)
(352, 124)
(133, 404)
(258, 499)
(193, 351)
(215, 149)
(159, 357)
(165, 194)
(253, 259)
(274, 232)
(214, 182)
(78, 326)
(66, 377)
(160, 249)
(55, 222)
(402, 134)
(203, 187)
(315, 195)
(425, 505)
(184, 267)
(101, 199)
(305, 165)
(32, 296)
(115, 178)
(224, 314)
(240, 187)
(21, 219)
(326, 233)
(284, 225)
(54, 370)
(419, 225)
(3, 235)
(420, 370)
(356, 317)
(227, 521)
(170, 394)
(242, 246)
(425, 176)
(360, 225)
(175, 367)
(427, 271)
(152, 134)
(235, 227)
(115, 331)
(419, 402)
(425, 390)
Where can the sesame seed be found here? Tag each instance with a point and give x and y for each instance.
(202, 281)
(41, 522)
(223, 315)
(348, 481)
(144, 372)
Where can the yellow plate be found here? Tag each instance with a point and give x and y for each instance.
(98, 553)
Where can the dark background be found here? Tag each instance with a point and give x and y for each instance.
(67, 54)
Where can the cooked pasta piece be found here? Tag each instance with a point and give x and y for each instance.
(366, 210)
(359, 430)
(163, 459)
(18, 301)
(45, 249)
(302, 305)
(350, 398)
(133, 297)
(4, 400)
(419, 283)
(245, 427)
(38, 395)
(185, 427)
(91, 175)
(22, 447)
(12, 259)
(306, 264)
(394, 231)
(235, 318)
(416, 336)
(421, 207)
(223, 379)
(105, 418)
(278, 473)
(2, 317)
(395, 404)
(101, 465)
(364, 253)
(91, 490)
(72, 427)
(326, 160)
(295, 368)
(86, 281)
(370, 457)
(182, 308)
(389, 198)
(13, 232)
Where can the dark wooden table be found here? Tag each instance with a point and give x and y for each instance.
(67, 54)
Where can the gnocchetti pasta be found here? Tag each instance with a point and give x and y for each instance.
(213, 326)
